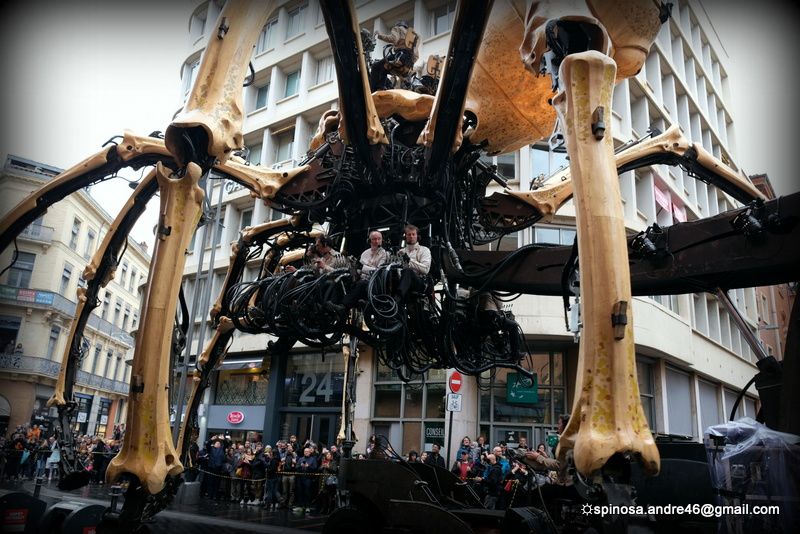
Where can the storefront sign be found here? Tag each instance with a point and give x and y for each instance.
(434, 431)
(235, 418)
(522, 390)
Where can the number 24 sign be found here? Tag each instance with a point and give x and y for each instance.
(316, 385)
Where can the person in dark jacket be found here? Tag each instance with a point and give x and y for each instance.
(329, 467)
(434, 458)
(271, 494)
(216, 463)
(306, 465)
(258, 471)
(494, 480)
(100, 460)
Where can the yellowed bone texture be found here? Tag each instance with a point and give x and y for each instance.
(215, 101)
(147, 451)
(29, 203)
(607, 415)
(58, 395)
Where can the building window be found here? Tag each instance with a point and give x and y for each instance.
(292, 84)
(132, 284)
(410, 414)
(109, 359)
(84, 406)
(266, 40)
(294, 26)
(245, 219)
(89, 248)
(106, 306)
(254, 157)
(126, 316)
(730, 400)
(66, 276)
(245, 388)
(284, 146)
(261, 96)
(644, 373)
(102, 417)
(135, 321)
(710, 412)
(671, 302)
(98, 351)
(118, 370)
(679, 403)
(443, 17)
(551, 235)
(502, 418)
(123, 274)
(324, 69)
(198, 23)
(190, 75)
(76, 230)
(20, 274)
(117, 311)
(55, 331)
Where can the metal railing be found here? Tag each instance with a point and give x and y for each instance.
(47, 299)
(37, 232)
(33, 365)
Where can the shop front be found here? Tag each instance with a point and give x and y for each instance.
(241, 423)
(512, 407)
(312, 397)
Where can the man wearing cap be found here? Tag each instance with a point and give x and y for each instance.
(462, 466)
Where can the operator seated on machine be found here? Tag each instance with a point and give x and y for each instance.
(416, 265)
(321, 257)
(370, 260)
(399, 56)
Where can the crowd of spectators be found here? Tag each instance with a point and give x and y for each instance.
(499, 480)
(28, 453)
(288, 475)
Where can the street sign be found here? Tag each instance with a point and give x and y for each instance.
(455, 382)
(454, 402)
(522, 390)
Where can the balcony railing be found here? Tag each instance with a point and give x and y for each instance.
(47, 299)
(19, 363)
(37, 232)
(33, 365)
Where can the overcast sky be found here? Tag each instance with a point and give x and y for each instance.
(76, 73)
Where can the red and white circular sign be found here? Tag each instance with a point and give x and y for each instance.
(235, 418)
(455, 381)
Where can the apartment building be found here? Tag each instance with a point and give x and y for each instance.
(692, 362)
(38, 298)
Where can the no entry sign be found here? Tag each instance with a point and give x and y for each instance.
(455, 381)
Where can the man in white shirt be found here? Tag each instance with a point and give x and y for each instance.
(371, 260)
(374, 256)
(417, 264)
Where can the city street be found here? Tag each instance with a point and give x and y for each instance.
(204, 518)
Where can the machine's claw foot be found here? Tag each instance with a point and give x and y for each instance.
(139, 506)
